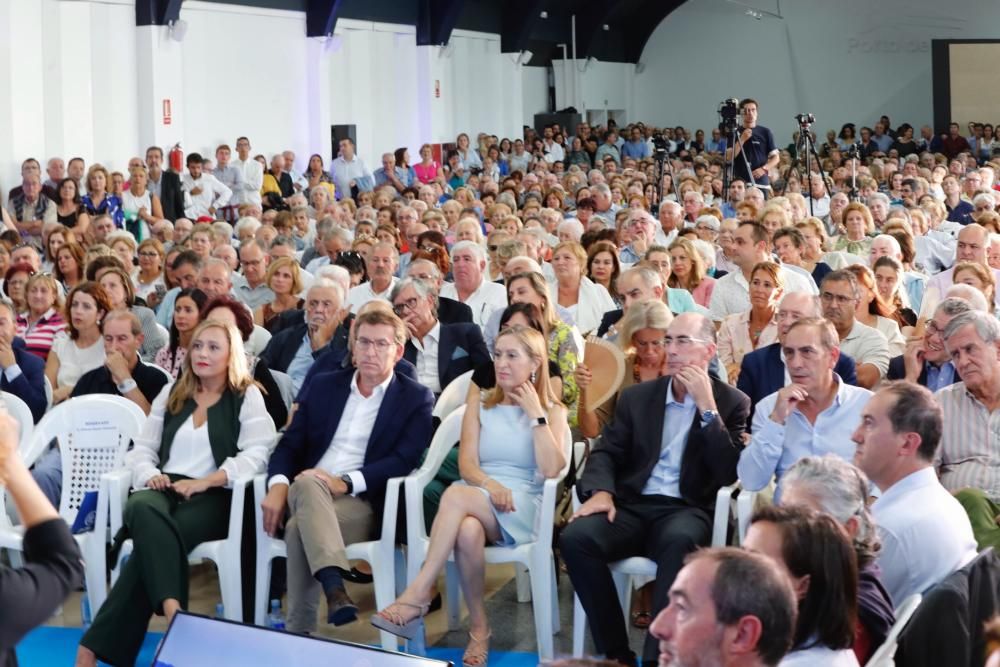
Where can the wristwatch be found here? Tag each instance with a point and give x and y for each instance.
(708, 416)
(349, 482)
(541, 421)
(126, 385)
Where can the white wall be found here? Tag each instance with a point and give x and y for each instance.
(602, 86)
(535, 91)
(81, 79)
(849, 60)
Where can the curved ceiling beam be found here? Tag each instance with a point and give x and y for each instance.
(321, 17)
(436, 19)
(644, 21)
(519, 17)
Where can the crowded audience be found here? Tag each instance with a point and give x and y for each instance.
(832, 348)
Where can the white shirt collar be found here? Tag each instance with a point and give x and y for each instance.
(378, 390)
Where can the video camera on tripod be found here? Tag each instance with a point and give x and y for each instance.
(805, 120)
(729, 112)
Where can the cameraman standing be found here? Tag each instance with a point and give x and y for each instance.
(756, 144)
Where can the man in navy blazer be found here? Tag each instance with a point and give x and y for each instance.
(441, 352)
(650, 484)
(21, 373)
(353, 431)
(762, 372)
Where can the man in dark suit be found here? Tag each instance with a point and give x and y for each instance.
(165, 184)
(353, 431)
(649, 486)
(762, 372)
(293, 350)
(441, 352)
(21, 373)
(926, 361)
(449, 311)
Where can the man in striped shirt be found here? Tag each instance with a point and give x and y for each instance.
(968, 462)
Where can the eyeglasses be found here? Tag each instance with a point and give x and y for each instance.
(839, 299)
(682, 342)
(365, 344)
(932, 329)
(408, 305)
(149, 254)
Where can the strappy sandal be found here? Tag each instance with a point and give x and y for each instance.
(390, 619)
(478, 650)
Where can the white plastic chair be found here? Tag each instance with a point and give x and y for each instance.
(20, 411)
(258, 340)
(94, 433)
(535, 556)
(286, 387)
(380, 554)
(48, 394)
(224, 553)
(453, 396)
(884, 655)
(622, 571)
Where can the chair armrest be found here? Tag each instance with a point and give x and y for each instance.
(549, 490)
(387, 540)
(723, 505)
(240, 485)
(259, 491)
(413, 499)
(118, 484)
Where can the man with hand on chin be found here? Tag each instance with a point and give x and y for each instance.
(650, 485)
(815, 414)
(926, 360)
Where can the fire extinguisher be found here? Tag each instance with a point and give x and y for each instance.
(176, 159)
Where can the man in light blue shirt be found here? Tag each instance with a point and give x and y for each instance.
(926, 534)
(636, 147)
(349, 171)
(813, 415)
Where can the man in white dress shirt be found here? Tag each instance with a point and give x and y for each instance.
(751, 245)
(381, 277)
(206, 191)
(472, 287)
(349, 171)
(925, 533)
(253, 175)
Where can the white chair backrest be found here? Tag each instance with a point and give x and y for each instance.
(20, 411)
(453, 396)
(164, 332)
(258, 340)
(447, 435)
(48, 394)
(285, 386)
(94, 433)
(885, 654)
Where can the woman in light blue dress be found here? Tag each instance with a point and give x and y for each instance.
(512, 441)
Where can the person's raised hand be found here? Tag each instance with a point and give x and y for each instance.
(787, 399)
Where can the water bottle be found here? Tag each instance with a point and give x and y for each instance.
(85, 616)
(276, 620)
(220, 611)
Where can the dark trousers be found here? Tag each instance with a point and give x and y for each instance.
(164, 529)
(660, 528)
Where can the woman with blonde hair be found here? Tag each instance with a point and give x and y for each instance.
(742, 333)
(688, 272)
(43, 320)
(285, 279)
(203, 432)
(641, 334)
(512, 441)
(584, 299)
(98, 201)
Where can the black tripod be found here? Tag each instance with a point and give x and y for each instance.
(809, 148)
(729, 173)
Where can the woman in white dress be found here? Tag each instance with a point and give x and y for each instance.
(141, 207)
(585, 299)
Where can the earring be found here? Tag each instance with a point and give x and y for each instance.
(533, 377)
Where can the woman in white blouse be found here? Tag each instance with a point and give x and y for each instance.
(577, 293)
(742, 333)
(81, 348)
(203, 432)
(139, 204)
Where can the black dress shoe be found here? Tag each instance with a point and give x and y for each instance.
(356, 576)
(341, 610)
